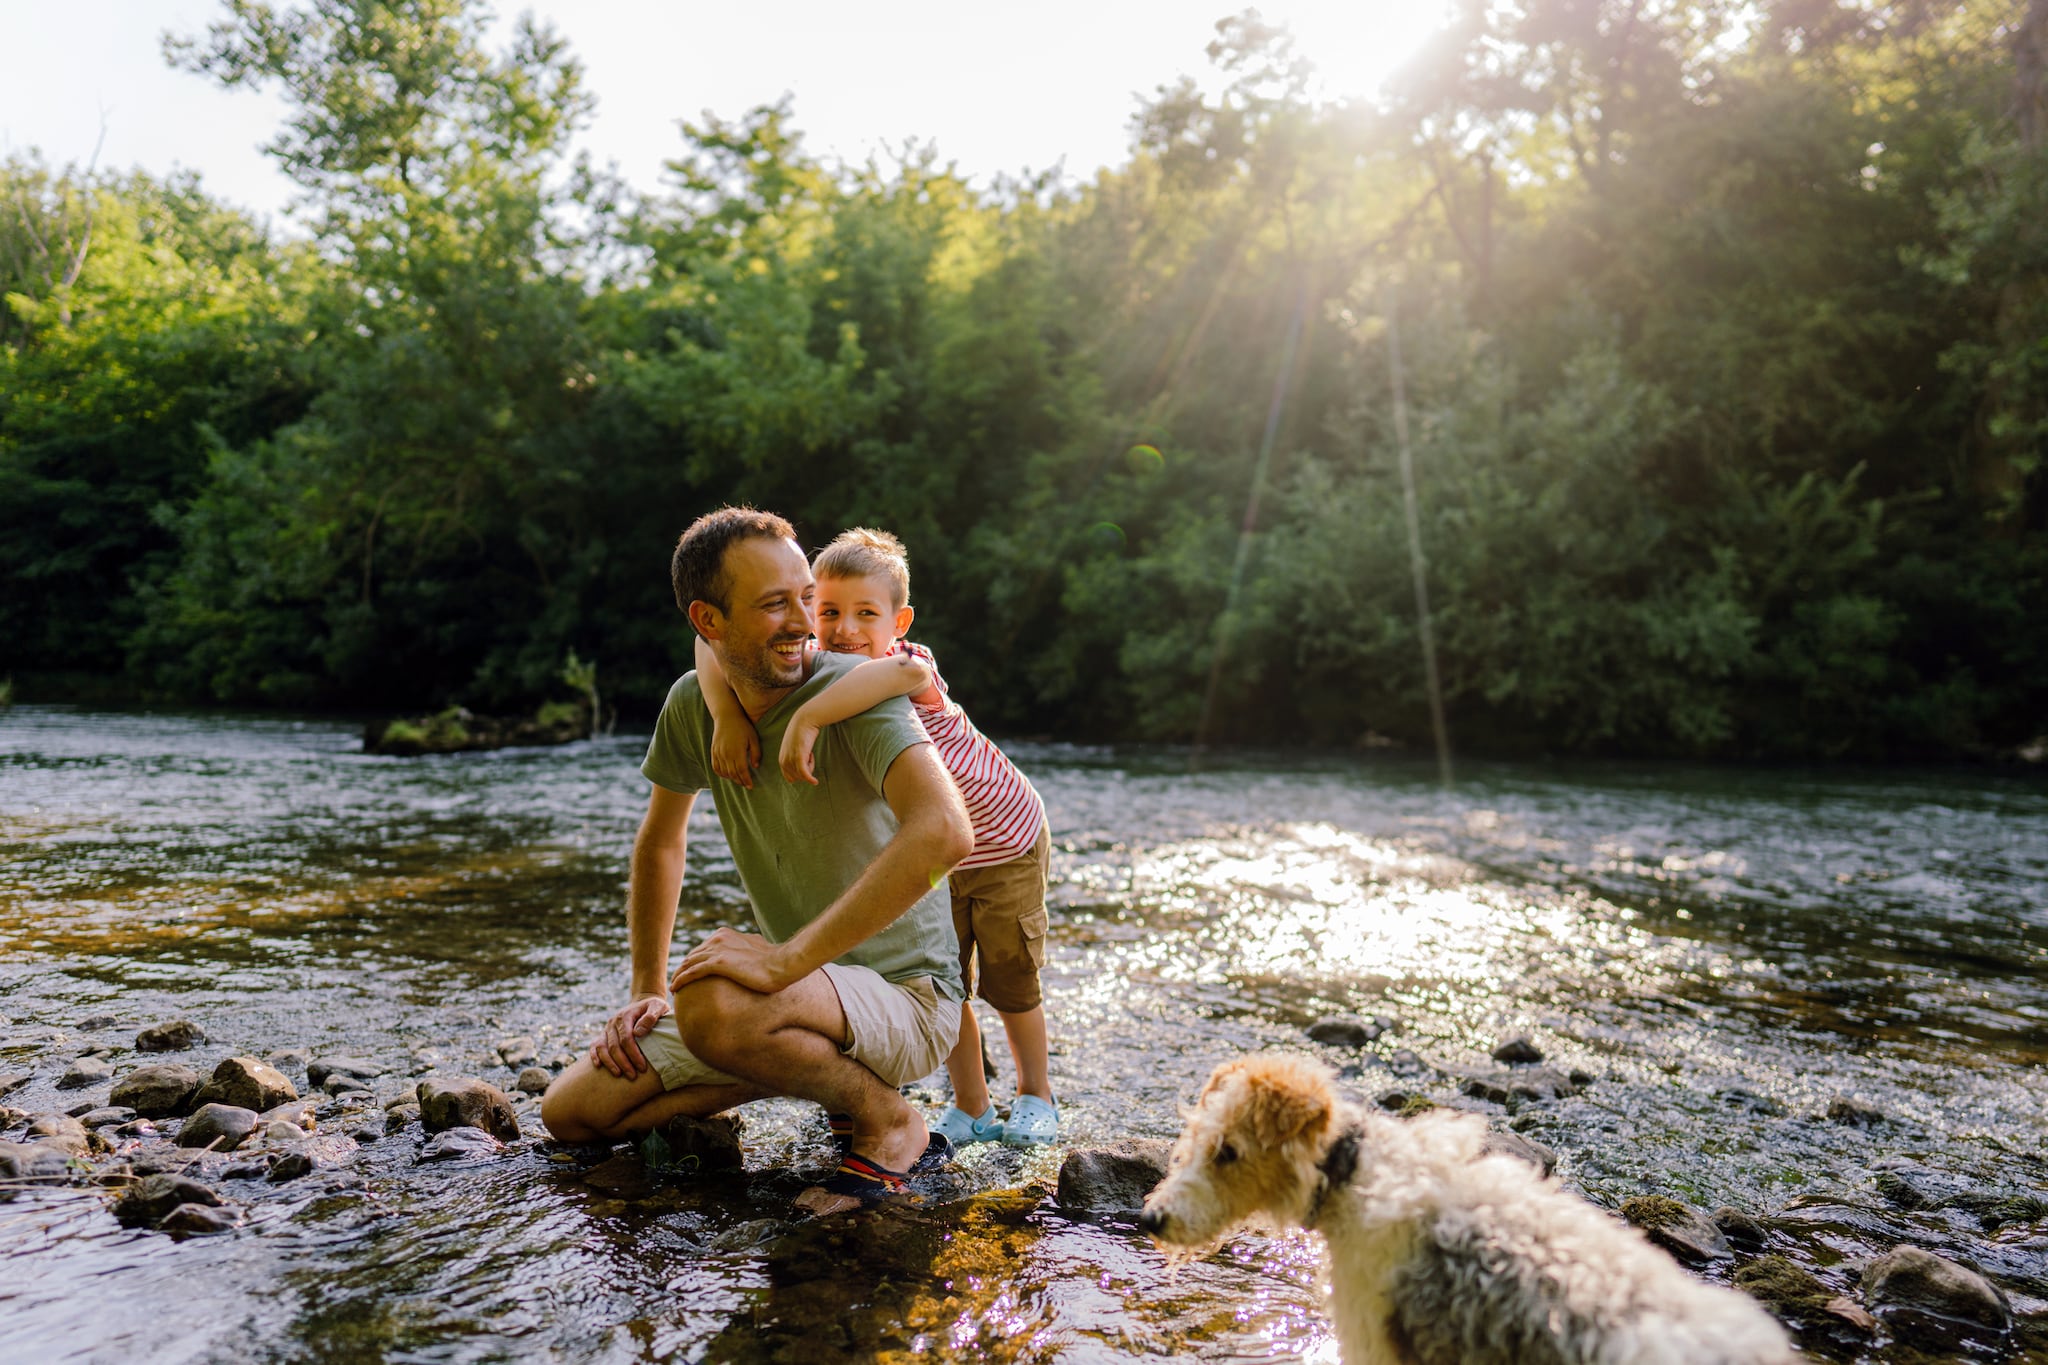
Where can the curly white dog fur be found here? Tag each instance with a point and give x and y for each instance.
(1440, 1254)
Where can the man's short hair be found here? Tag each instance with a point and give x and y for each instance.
(864, 553)
(698, 568)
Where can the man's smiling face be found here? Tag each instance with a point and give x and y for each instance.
(761, 640)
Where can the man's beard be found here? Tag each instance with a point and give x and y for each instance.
(764, 669)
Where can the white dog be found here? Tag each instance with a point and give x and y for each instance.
(1440, 1254)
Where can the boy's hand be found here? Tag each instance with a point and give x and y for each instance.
(797, 741)
(735, 752)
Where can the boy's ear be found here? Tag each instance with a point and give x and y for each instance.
(707, 619)
(905, 614)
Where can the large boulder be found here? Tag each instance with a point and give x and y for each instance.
(156, 1092)
(175, 1036)
(462, 1102)
(246, 1083)
(221, 1127)
(147, 1201)
(1113, 1178)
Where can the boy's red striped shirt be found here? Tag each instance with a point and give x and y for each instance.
(1001, 801)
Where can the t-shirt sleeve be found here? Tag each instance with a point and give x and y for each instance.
(675, 756)
(933, 698)
(878, 735)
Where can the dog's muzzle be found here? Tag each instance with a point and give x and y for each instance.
(1152, 1222)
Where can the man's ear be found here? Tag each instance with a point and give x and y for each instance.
(905, 614)
(707, 620)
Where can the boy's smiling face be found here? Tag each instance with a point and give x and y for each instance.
(859, 616)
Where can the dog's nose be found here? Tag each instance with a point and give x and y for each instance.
(1152, 1221)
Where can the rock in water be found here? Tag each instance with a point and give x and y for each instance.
(1931, 1302)
(156, 1092)
(60, 1130)
(711, 1144)
(297, 1113)
(1345, 1032)
(149, 1199)
(460, 1102)
(1505, 1143)
(1114, 1178)
(36, 1163)
(1684, 1232)
(290, 1166)
(518, 1052)
(1517, 1052)
(175, 1036)
(199, 1220)
(84, 1072)
(11, 1081)
(222, 1127)
(246, 1083)
(461, 1143)
(362, 1068)
(106, 1117)
(288, 1058)
(533, 1081)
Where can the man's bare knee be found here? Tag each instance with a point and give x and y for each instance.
(718, 1019)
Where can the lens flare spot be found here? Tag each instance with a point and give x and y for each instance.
(1144, 459)
(1106, 535)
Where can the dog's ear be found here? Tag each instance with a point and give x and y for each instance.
(1288, 1101)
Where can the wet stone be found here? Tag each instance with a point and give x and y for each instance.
(289, 1166)
(1683, 1231)
(518, 1052)
(1345, 1031)
(367, 1132)
(61, 1130)
(1900, 1191)
(161, 1091)
(1521, 1148)
(1823, 1321)
(82, 1108)
(461, 1143)
(107, 1117)
(398, 1116)
(93, 1023)
(11, 1081)
(175, 1036)
(289, 1058)
(221, 1127)
(199, 1220)
(1518, 1052)
(299, 1113)
(534, 1080)
(277, 1130)
(34, 1163)
(343, 1083)
(1932, 1302)
(1743, 1232)
(623, 1174)
(320, 1068)
(711, 1144)
(136, 1128)
(459, 1102)
(255, 1168)
(1749, 1102)
(1856, 1115)
(1404, 1062)
(248, 1084)
(1114, 1178)
(86, 1071)
(149, 1199)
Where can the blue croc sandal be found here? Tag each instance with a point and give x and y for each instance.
(960, 1130)
(1033, 1122)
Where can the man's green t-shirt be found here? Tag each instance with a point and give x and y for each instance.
(799, 846)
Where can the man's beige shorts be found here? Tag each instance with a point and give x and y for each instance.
(999, 914)
(900, 1030)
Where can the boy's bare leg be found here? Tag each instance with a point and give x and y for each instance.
(1028, 1048)
(964, 1070)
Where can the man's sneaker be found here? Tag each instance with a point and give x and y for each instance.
(1033, 1122)
(961, 1130)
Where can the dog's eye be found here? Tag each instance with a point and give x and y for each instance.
(1225, 1154)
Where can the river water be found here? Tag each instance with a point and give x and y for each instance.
(1725, 951)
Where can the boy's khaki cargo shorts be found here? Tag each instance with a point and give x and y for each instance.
(999, 914)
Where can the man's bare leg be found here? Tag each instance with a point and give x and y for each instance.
(586, 1103)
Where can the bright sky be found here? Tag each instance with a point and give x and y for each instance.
(998, 86)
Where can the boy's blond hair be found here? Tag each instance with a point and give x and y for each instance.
(864, 553)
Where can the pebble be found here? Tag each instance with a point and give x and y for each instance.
(299, 1113)
(1850, 1112)
(1522, 1148)
(1735, 1097)
(86, 1071)
(60, 1130)
(38, 1162)
(368, 1132)
(277, 1130)
(518, 1052)
(175, 1036)
(221, 1127)
(398, 1116)
(289, 1058)
(534, 1080)
(1743, 1232)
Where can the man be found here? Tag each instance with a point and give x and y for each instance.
(852, 987)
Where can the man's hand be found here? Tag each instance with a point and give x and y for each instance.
(735, 751)
(797, 743)
(748, 959)
(617, 1049)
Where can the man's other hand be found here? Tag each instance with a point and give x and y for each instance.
(617, 1049)
(748, 959)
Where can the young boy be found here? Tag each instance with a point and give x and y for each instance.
(863, 607)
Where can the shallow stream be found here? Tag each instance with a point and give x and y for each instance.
(1726, 952)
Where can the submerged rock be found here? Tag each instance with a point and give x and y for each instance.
(1683, 1231)
(289, 1058)
(1932, 1302)
(461, 1143)
(1346, 1031)
(1114, 1178)
(246, 1083)
(34, 1163)
(1518, 1052)
(221, 1127)
(1850, 1112)
(289, 1166)
(60, 1130)
(462, 1102)
(1822, 1320)
(155, 1092)
(1537, 1083)
(199, 1220)
(1743, 1232)
(175, 1036)
(148, 1200)
(362, 1068)
(11, 1081)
